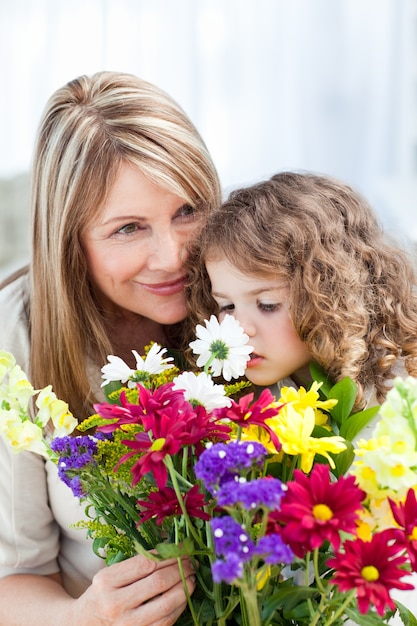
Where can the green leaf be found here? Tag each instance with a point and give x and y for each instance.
(115, 558)
(289, 597)
(356, 422)
(345, 393)
(170, 550)
(408, 619)
(369, 619)
(319, 374)
(343, 460)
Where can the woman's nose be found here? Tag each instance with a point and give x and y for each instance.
(167, 253)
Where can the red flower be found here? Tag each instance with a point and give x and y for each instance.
(405, 514)
(149, 402)
(315, 510)
(247, 413)
(164, 503)
(168, 434)
(372, 568)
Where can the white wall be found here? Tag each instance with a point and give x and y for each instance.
(326, 85)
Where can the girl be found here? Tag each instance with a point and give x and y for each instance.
(301, 261)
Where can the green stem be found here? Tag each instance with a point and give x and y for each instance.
(187, 593)
(341, 609)
(317, 576)
(173, 474)
(209, 362)
(249, 599)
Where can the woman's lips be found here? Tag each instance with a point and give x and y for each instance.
(254, 360)
(165, 289)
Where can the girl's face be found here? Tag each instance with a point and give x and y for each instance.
(135, 248)
(261, 307)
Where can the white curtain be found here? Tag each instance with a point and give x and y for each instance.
(324, 85)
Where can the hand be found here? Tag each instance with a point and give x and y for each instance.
(136, 592)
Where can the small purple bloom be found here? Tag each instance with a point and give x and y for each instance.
(266, 492)
(231, 537)
(273, 550)
(74, 454)
(222, 462)
(228, 570)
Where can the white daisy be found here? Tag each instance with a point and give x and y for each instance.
(153, 363)
(222, 347)
(200, 389)
(118, 370)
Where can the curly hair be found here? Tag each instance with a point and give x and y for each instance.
(352, 291)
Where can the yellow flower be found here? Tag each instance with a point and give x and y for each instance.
(391, 456)
(26, 436)
(301, 399)
(20, 390)
(7, 361)
(63, 420)
(294, 432)
(51, 408)
(8, 418)
(262, 577)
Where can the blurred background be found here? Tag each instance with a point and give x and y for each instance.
(323, 85)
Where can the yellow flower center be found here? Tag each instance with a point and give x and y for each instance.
(158, 444)
(368, 473)
(370, 573)
(322, 512)
(398, 470)
(413, 535)
(399, 447)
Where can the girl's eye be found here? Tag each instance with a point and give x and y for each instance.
(270, 307)
(226, 308)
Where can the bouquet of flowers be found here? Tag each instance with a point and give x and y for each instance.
(285, 524)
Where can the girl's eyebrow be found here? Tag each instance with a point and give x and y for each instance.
(253, 292)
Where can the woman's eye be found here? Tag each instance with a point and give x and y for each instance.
(186, 211)
(269, 307)
(129, 229)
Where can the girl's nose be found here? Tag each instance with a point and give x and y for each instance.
(246, 323)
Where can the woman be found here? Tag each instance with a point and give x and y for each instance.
(121, 181)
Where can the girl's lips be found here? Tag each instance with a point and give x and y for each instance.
(254, 360)
(166, 289)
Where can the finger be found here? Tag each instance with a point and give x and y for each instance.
(159, 582)
(165, 609)
(124, 573)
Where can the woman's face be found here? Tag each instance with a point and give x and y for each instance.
(135, 248)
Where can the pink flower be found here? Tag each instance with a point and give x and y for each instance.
(247, 413)
(372, 568)
(314, 509)
(405, 514)
(164, 503)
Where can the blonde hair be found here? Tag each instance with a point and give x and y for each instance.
(353, 299)
(89, 127)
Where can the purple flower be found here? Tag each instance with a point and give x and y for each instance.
(74, 454)
(228, 570)
(262, 492)
(222, 462)
(231, 537)
(273, 550)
